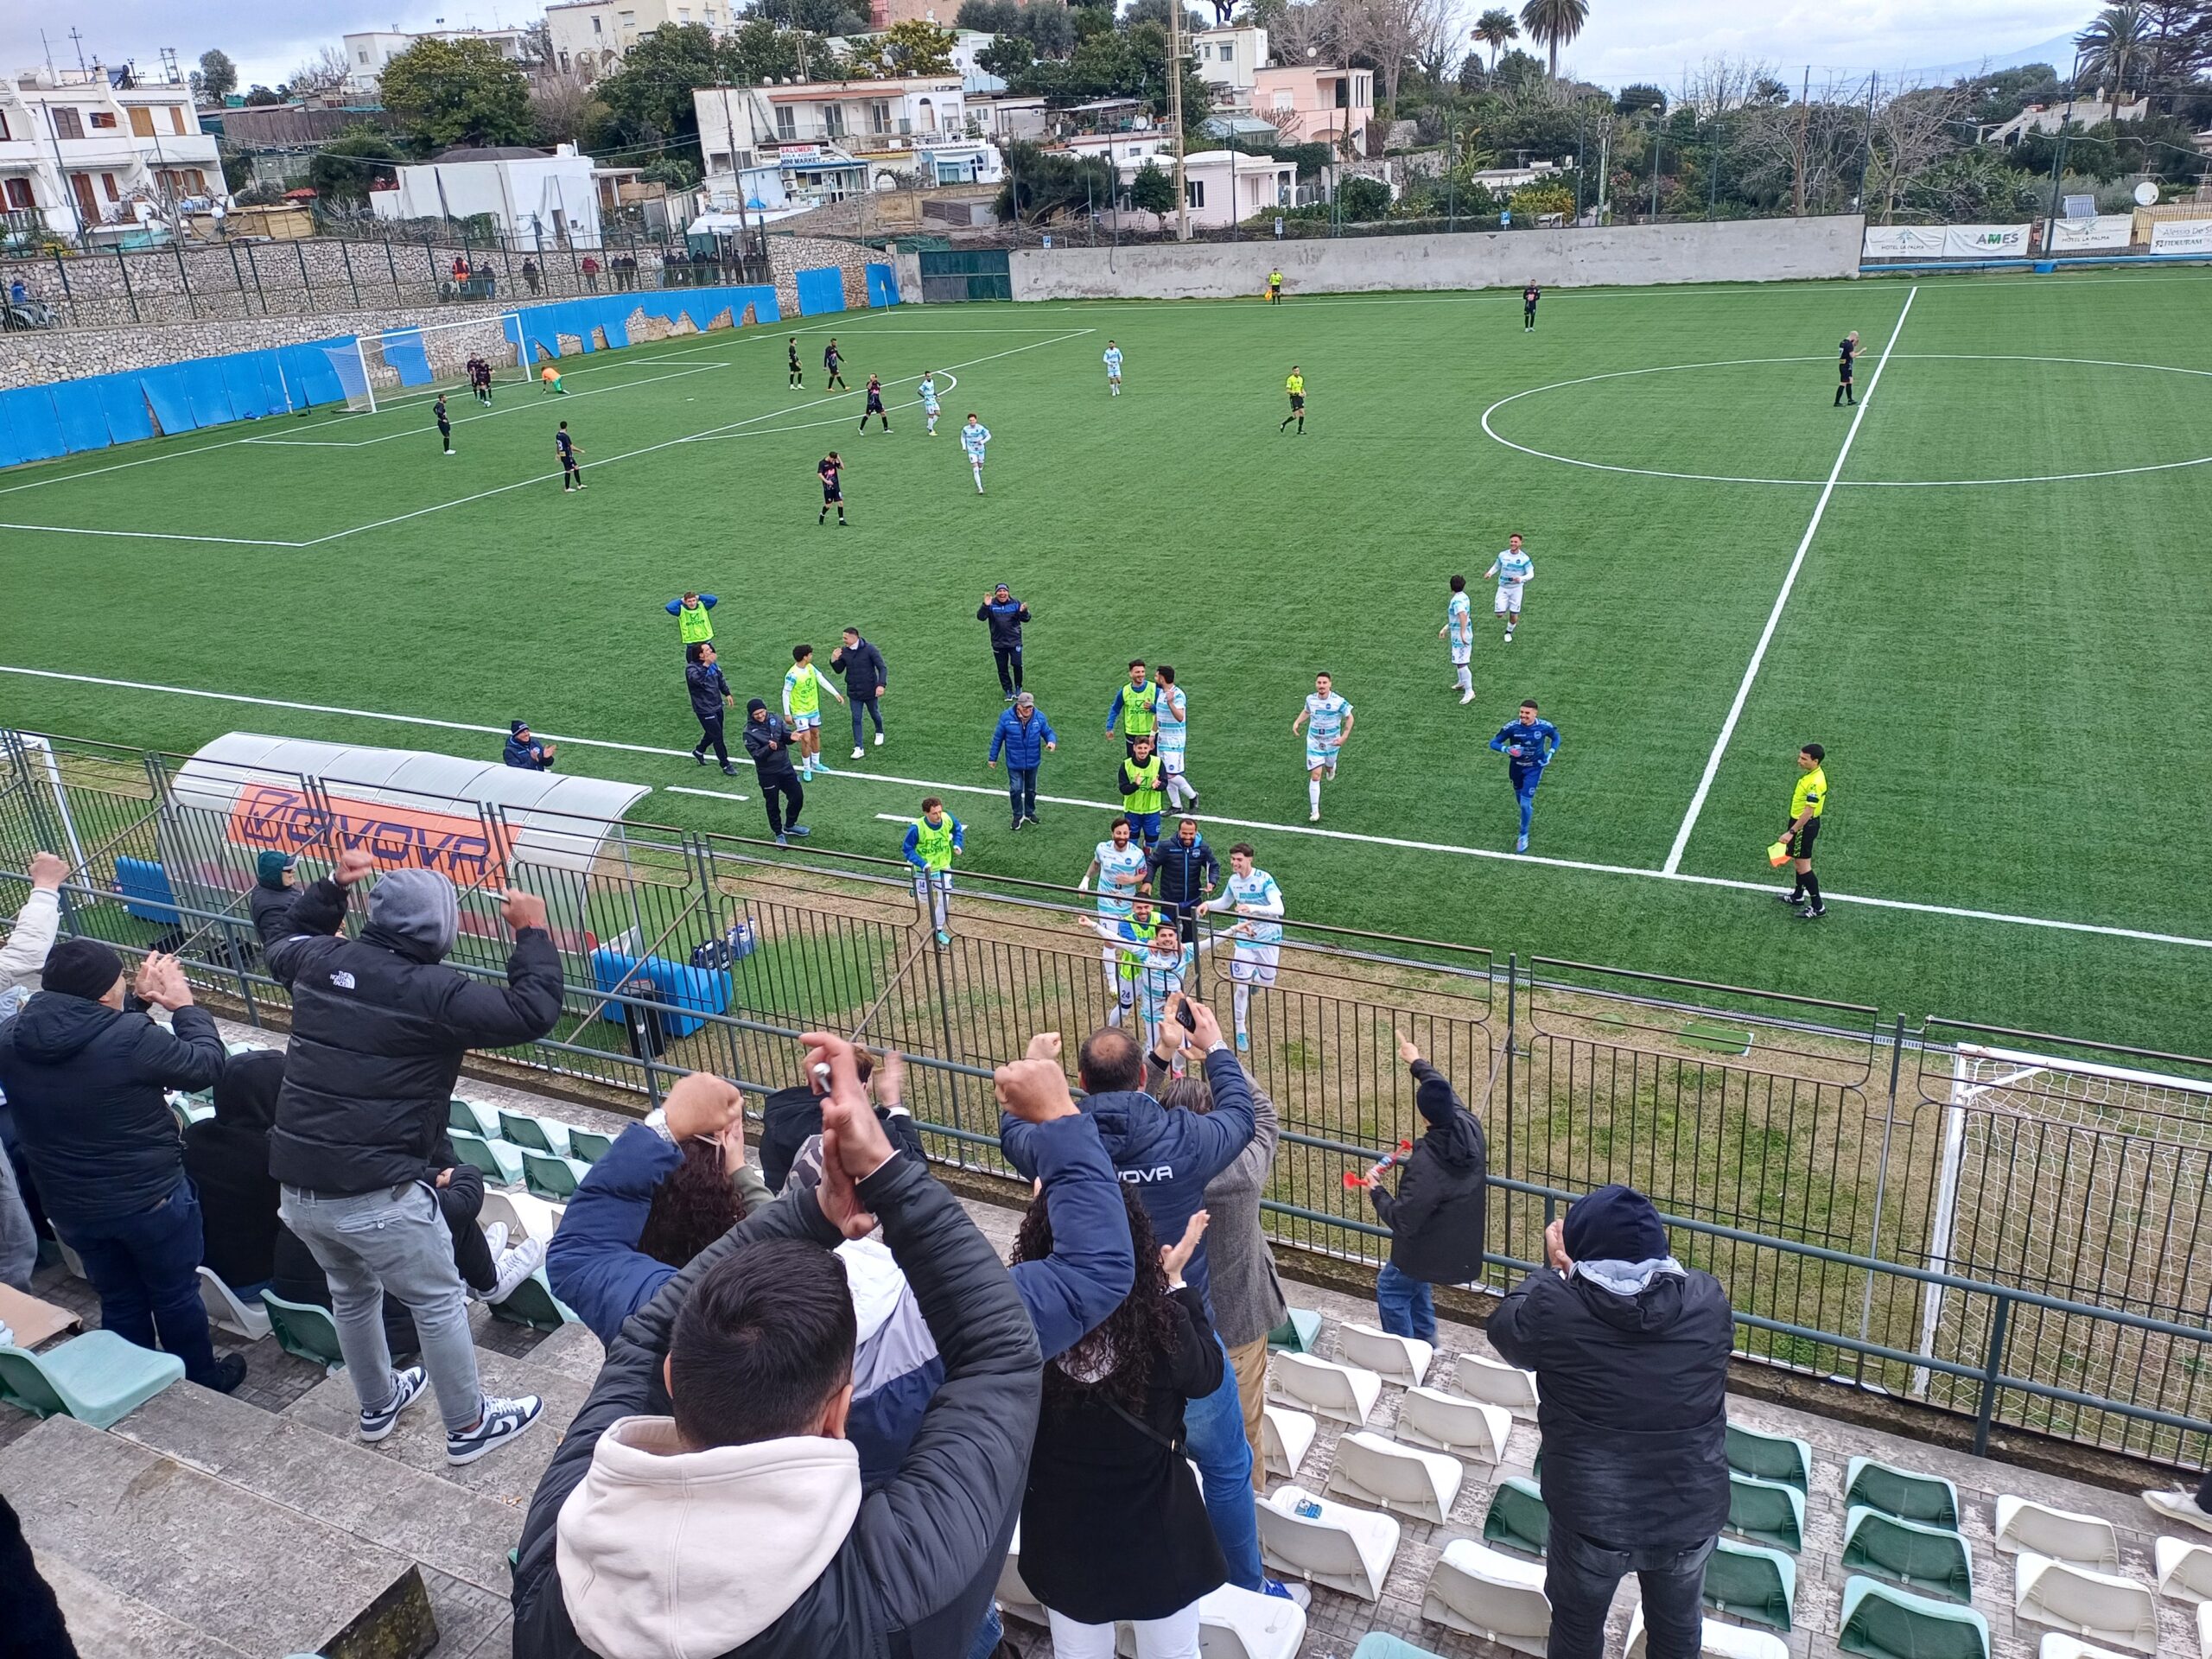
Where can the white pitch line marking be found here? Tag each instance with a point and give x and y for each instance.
(1407, 843)
(1774, 617)
(711, 794)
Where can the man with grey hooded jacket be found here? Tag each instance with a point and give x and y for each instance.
(379, 1025)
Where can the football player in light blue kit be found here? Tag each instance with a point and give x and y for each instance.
(1514, 570)
(1113, 370)
(929, 400)
(1326, 721)
(1256, 901)
(1528, 745)
(1171, 709)
(1458, 632)
(1117, 867)
(973, 437)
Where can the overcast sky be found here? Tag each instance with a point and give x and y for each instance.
(1626, 41)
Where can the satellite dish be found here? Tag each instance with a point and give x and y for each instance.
(2146, 194)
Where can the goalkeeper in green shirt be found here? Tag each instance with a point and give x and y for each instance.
(802, 690)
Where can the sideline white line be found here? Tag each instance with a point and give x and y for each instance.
(711, 794)
(998, 791)
(1774, 617)
(154, 535)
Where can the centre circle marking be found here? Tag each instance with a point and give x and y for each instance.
(1842, 483)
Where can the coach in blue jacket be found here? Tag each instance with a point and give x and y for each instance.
(1022, 735)
(1168, 1158)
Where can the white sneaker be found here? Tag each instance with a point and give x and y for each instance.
(1509, 636)
(495, 1237)
(515, 1265)
(858, 752)
(2179, 1506)
(1314, 816)
(1467, 697)
(879, 740)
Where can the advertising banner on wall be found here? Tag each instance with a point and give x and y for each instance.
(2104, 230)
(2182, 235)
(1904, 242)
(1985, 241)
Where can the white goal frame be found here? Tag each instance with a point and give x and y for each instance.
(359, 367)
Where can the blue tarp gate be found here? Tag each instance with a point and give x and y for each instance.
(821, 291)
(882, 286)
(403, 353)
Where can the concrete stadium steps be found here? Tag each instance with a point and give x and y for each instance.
(507, 1476)
(572, 1351)
(147, 1544)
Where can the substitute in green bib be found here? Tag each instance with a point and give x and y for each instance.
(933, 840)
(1135, 706)
(1143, 783)
(691, 619)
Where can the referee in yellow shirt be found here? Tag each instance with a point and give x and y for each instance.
(1295, 385)
(1807, 802)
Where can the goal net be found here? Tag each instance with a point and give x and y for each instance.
(2087, 1181)
(381, 367)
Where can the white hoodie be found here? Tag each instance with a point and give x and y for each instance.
(665, 1554)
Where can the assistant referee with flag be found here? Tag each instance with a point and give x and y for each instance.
(1807, 802)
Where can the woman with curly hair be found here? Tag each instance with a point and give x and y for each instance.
(1113, 1526)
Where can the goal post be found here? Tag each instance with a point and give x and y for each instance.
(402, 360)
(351, 366)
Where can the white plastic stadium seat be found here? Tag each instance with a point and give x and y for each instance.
(1500, 1384)
(2079, 1540)
(1403, 1360)
(224, 1309)
(2184, 1569)
(1343, 1547)
(1467, 1428)
(1715, 1641)
(1371, 1469)
(1480, 1592)
(2099, 1606)
(1284, 1437)
(2055, 1646)
(1236, 1623)
(1344, 1393)
(1014, 1596)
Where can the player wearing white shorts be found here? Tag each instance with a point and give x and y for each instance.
(1172, 738)
(1113, 370)
(929, 400)
(1326, 721)
(1514, 571)
(973, 437)
(1458, 632)
(1116, 870)
(1253, 896)
(803, 689)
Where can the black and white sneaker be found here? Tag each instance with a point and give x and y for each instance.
(1812, 912)
(1792, 899)
(502, 1420)
(407, 1388)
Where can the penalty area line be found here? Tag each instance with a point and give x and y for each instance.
(1404, 844)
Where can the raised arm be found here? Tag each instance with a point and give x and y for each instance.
(1091, 1267)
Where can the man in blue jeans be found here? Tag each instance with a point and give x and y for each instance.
(1168, 1158)
(1630, 1352)
(1436, 1216)
(1021, 736)
(84, 1078)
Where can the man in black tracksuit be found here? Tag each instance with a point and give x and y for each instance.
(1630, 1352)
(1436, 1218)
(710, 697)
(1184, 871)
(768, 740)
(1006, 615)
(866, 680)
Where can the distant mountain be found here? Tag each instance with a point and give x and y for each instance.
(2059, 52)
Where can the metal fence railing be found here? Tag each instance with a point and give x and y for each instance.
(2007, 1226)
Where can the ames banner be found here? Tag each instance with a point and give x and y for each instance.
(1985, 241)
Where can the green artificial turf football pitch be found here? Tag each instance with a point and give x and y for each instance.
(1996, 618)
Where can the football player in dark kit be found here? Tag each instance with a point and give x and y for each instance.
(874, 404)
(1846, 354)
(831, 470)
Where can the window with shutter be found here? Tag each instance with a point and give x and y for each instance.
(142, 122)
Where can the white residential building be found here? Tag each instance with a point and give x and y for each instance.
(1224, 187)
(92, 160)
(1123, 147)
(830, 139)
(542, 199)
(590, 37)
(367, 53)
(2048, 119)
(1228, 57)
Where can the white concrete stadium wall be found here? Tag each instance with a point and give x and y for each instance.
(1739, 250)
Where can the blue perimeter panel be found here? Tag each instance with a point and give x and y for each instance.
(77, 413)
(402, 351)
(37, 434)
(821, 291)
(211, 399)
(543, 325)
(308, 374)
(242, 379)
(882, 285)
(123, 401)
(171, 402)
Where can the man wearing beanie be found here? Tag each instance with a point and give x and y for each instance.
(379, 1025)
(85, 1079)
(1630, 1352)
(271, 901)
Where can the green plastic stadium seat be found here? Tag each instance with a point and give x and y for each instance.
(1517, 1517)
(97, 1378)
(465, 1114)
(1890, 1624)
(1377, 1644)
(1906, 1493)
(532, 1303)
(1766, 1512)
(520, 1129)
(551, 1178)
(588, 1146)
(1298, 1333)
(1755, 1584)
(1770, 1457)
(304, 1331)
(501, 1163)
(1911, 1551)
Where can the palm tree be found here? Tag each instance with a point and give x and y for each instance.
(1495, 28)
(1554, 23)
(2119, 35)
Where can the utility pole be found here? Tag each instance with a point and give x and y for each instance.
(2058, 158)
(1175, 120)
(1866, 156)
(1804, 120)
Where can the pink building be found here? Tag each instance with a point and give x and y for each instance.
(1316, 103)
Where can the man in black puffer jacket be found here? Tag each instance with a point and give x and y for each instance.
(1436, 1218)
(1630, 1352)
(380, 1025)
